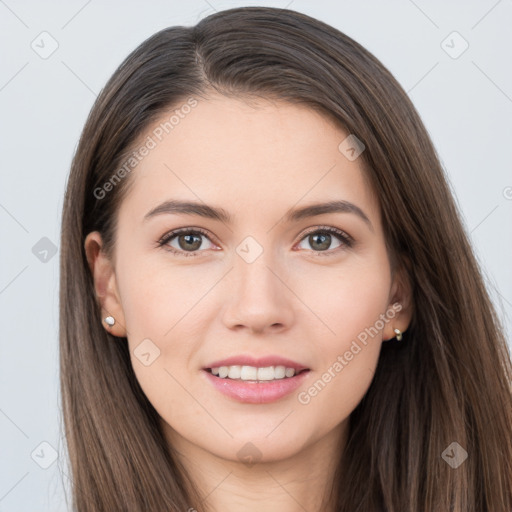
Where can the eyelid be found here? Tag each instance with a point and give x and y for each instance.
(174, 232)
(329, 229)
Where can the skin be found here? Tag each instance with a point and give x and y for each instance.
(256, 161)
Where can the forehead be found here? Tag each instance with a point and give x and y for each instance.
(245, 156)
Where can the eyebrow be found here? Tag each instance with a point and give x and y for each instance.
(293, 215)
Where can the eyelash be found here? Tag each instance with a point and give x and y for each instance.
(344, 238)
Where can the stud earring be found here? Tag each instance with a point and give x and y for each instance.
(110, 320)
(398, 334)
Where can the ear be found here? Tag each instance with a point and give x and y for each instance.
(105, 284)
(400, 294)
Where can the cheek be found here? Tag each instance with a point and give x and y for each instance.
(155, 297)
(347, 363)
(349, 298)
(162, 307)
(352, 303)
(335, 391)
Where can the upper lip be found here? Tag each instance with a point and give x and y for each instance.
(258, 362)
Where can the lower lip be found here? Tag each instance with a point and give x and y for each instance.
(262, 392)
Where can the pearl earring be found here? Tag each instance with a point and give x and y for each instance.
(110, 320)
(398, 334)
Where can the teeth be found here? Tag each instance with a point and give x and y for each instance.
(289, 372)
(253, 373)
(234, 372)
(280, 372)
(266, 373)
(248, 373)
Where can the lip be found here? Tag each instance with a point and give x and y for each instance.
(258, 362)
(254, 392)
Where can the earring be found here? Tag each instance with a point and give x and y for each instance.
(398, 334)
(110, 320)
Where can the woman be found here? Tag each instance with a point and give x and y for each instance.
(267, 295)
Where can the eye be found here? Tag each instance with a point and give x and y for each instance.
(188, 240)
(321, 238)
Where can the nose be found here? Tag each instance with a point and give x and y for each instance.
(259, 298)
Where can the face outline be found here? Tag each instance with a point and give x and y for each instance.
(256, 164)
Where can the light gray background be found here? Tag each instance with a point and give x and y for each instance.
(465, 102)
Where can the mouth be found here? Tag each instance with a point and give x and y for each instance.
(256, 384)
(244, 373)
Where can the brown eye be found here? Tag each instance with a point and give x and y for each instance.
(189, 242)
(321, 240)
(185, 242)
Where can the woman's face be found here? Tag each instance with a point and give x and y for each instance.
(261, 279)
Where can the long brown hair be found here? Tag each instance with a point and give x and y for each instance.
(448, 381)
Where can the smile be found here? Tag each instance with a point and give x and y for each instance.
(252, 373)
